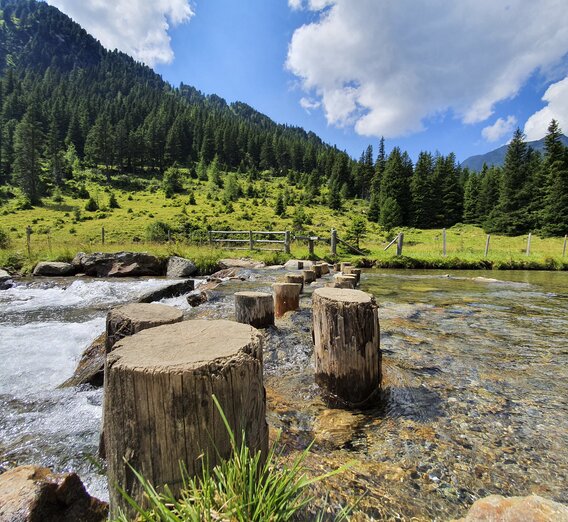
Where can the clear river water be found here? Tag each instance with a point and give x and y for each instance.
(474, 401)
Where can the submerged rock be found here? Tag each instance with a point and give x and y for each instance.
(32, 493)
(533, 508)
(4, 276)
(120, 264)
(90, 369)
(180, 267)
(173, 290)
(49, 268)
(196, 299)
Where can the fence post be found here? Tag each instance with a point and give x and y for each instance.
(29, 240)
(287, 241)
(487, 244)
(528, 252)
(311, 246)
(564, 248)
(49, 240)
(333, 242)
(103, 234)
(210, 235)
(399, 244)
(251, 241)
(444, 242)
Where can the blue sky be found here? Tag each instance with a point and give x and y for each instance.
(438, 75)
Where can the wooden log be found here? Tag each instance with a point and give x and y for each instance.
(296, 278)
(286, 297)
(158, 406)
(317, 269)
(347, 350)
(343, 265)
(324, 269)
(254, 308)
(309, 276)
(345, 281)
(337, 267)
(132, 318)
(355, 272)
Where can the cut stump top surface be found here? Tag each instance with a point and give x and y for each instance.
(150, 312)
(185, 346)
(343, 295)
(253, 294)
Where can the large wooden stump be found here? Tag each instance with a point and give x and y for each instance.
(158, 406)
(351, 270)
(309, 276)
(324, 269)
(346, 339)
(296, 278)
(132, 318)
(254, 308)
(345, 281)
(343, 265)
(286, 297)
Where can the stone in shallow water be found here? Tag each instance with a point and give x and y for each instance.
(32, 493)
(533, 508)
(336, 428)
(48, 268)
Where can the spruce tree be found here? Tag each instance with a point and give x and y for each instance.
(422, 191)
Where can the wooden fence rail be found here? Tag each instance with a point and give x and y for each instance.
(250, 238)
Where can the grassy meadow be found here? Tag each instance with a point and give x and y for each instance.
(62, 226)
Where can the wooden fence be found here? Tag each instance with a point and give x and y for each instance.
(250, 239)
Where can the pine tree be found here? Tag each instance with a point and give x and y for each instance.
(422, 191)
(471, 204)
(395, 184)
(28, 144)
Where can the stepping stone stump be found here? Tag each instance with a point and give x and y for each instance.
(296, 278)
(351, 270)
(324, 269)
(286, 297)
(254, 308)
(309, 276)
(132, 318)
(158, 405)
(317, 269)
(345, 281)
(346, 345)
(343, 265)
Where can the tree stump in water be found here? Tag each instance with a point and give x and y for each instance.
(296, 278)
(132, 318)
(317, 270)
(351, 270)
(343, 265)
(158, 406)
(324, 269)
(337, 267)
(254, 308)
(345, 281)
(286, 297)
(346, 339)
(309, 276)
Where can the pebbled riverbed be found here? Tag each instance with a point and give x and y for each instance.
(475, 396)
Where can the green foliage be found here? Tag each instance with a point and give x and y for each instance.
(172, 182)
(158, 231)
(232, 190)
(357, 230)
(91, 205)
(248, 487)
(112, 201)
(4, 239)
(391, 214)
(280, 207)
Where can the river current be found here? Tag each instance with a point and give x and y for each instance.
(474, 402)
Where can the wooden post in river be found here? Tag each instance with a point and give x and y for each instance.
(254, 308)
(309, 276)
(333, 242)
(346, 345)
(296, 278)
(286, 297)
(399, 243)
(158, 405)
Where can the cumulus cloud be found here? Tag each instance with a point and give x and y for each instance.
(499, 129)
(386, 67)
(136, 27)
(309, 105)
(556, 97)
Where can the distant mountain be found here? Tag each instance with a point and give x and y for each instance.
(497, 157)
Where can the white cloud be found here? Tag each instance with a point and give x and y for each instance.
(387, 66)
(309, 104)
(314, 5)
(499, 129)
(557, 98)
(136, 27)
(295, 4)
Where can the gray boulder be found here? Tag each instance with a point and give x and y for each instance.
(120, 264)
(180, 267)
(53, 268)
(4, 276)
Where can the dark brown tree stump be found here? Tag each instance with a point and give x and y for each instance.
(158, 406)
(345, 281)
(337, 267)
(317, 270)
(254, 308)
(347, 350)
(296, 278)
(309, 276)
(286, 297)
(130, 319)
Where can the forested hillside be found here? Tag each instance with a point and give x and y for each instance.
(71, 109)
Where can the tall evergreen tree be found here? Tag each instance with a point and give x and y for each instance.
(422, 191)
